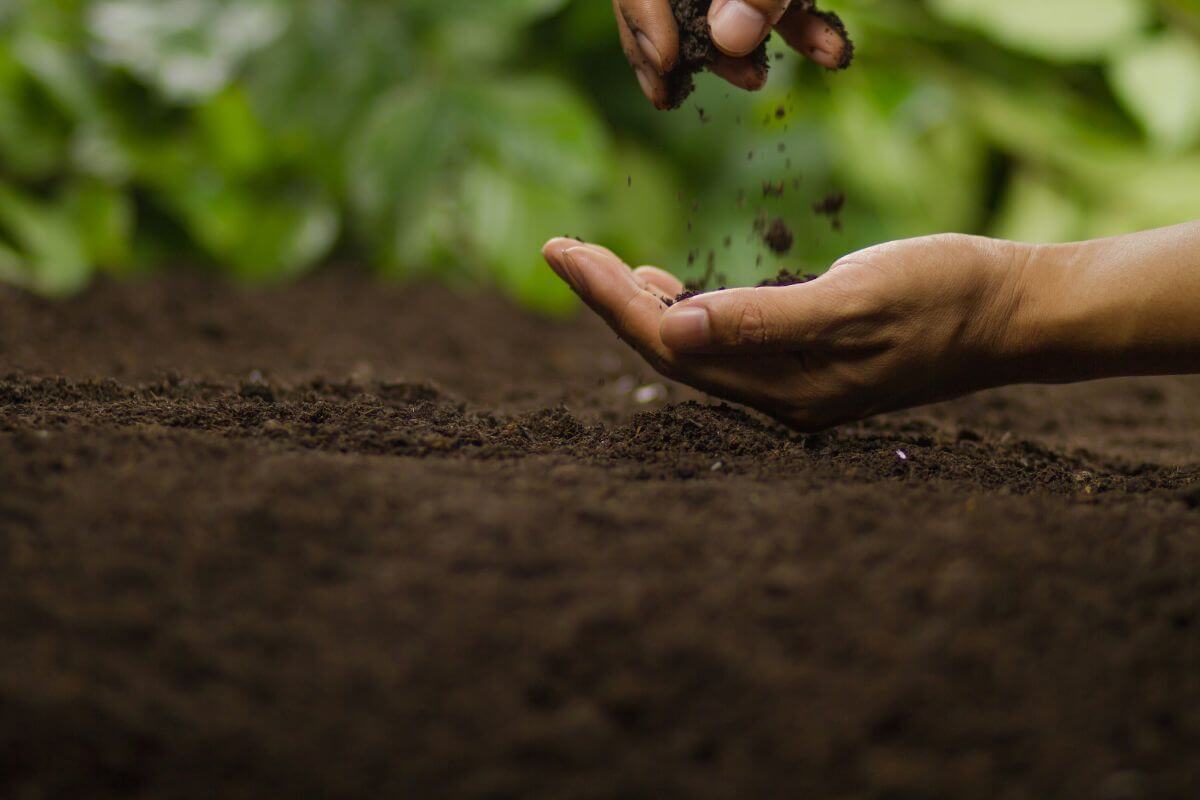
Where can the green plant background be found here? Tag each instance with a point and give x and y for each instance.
(449, 138)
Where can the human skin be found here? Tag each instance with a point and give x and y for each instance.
(911, 322)
(650, 39)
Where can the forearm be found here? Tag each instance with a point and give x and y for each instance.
(1129, 305)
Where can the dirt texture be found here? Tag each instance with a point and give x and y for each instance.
(697, 51)
(779, 237)
(831, 206)
(343, 540)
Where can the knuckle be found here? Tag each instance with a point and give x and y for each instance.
(624, 318)
(750, 326)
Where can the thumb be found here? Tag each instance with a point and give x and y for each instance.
(739, 26)
(763, 319)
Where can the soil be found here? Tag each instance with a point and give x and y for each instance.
(783, 278)
(779, 237)
(344, 540)
(831, 206)
(773, 188)
(697, 51)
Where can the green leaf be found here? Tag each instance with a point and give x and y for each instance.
(104, 217)
(905, 143)
(61, 73)
(397, 170)
(540, 127)
(1037, 211)
(237, 141)
(12, 266)
(33, 138)
(271, 237)
(1063, 30)
(53, 256)
(1159, 83)
(513, 13)
(187, 49)
(505, 222)
(640, 214)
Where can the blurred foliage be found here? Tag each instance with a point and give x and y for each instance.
(449, 138)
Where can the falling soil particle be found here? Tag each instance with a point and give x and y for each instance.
(775, 234)
(710, 268)
(831, 206)
(779, 237)
(772, 188)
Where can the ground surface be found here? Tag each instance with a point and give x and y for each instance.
(336, 540)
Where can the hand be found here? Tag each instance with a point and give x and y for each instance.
(650, 38)
(893, 326)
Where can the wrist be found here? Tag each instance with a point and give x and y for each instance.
(1067, 323)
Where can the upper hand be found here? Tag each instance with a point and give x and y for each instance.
(650, 38)
(890, 327)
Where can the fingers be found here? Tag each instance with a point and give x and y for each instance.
(659, 279)
(739, 26)
(779, 384)
(822, 37)
(608, 286)
(654, 31)
(765, 319)
(741, 72)
(649, 77)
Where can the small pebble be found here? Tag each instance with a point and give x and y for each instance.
(903, 456)
(650, 393)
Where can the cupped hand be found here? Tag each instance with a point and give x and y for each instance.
(650, 38)
(894, 326)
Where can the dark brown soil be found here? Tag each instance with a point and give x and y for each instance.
(783, 278)
(342, 540)
(779, 237)
(786, 278)
(696, 50)
(831, 206)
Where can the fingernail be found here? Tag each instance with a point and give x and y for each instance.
(647, 85)
(826, 51)
(831, 40)
(650, 51)
(686, 329)
(738, 28)
(574, 270)
(823, 57)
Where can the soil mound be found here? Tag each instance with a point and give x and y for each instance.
(329, 540)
